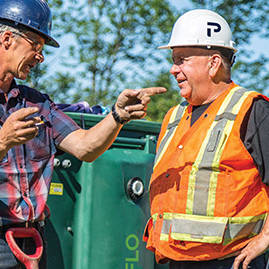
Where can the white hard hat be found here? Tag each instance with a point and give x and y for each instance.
(201, 27)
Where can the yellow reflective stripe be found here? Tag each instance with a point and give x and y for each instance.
(189, 227)
(219, 151)
(239, 227)
(209, 229)
(214, 174)
(212, 193)
(204, 239)
(170, 216)
(194, 170)
(164, 237)
(230, 107)
(243, 220)
(154, 217)
(172, 118)
(162, 150)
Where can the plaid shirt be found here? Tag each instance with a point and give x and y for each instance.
(26, 170)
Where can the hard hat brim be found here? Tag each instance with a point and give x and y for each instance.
(51, 42)
(198, 45)
(164, 47)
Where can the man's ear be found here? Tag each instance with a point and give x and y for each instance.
(215, 63)
(6, 39)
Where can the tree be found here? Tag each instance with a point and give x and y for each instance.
(112, 46)
(247, 19)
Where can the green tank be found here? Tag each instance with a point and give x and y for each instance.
(99, 209)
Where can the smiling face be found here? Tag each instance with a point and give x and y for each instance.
(191, 69)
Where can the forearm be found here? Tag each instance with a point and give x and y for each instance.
(100, 137)
(89, 144)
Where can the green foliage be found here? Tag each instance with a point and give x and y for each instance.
(247, 19)
(110, 45)
(113, 46)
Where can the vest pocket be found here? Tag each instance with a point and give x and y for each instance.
(196, 228)
(243, 227)
(204, 229)
(215, 139)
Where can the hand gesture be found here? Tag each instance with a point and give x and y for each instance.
(132, 104)
(19, 128)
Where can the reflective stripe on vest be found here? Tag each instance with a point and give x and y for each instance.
(199, 223)
(208, 229)
(205, 169)
(170, 131)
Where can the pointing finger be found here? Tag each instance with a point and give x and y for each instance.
(151, 91)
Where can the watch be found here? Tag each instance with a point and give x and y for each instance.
(116, 116)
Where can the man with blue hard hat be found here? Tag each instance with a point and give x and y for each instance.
(32, 128)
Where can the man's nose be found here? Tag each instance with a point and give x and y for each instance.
(175, 69)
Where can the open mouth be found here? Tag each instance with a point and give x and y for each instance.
(179, 81)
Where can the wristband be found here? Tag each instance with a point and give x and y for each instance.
(116, 116)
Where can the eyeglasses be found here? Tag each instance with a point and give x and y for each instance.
(37, 47)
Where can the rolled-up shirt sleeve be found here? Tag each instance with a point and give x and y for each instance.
(62, 124)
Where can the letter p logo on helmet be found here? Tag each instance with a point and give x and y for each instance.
(213, 26)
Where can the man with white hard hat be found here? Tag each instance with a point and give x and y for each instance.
(209, 192)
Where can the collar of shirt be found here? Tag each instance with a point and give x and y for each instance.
(13, 92)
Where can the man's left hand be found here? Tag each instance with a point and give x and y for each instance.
(132, 104)
(255, 248)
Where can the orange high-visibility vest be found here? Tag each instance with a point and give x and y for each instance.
(207, 198)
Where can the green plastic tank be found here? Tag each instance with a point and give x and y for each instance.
(99, 209)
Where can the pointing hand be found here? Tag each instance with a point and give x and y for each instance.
(132, 104)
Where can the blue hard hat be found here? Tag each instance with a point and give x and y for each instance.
(34, 14)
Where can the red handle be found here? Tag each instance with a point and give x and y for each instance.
(30, 261)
